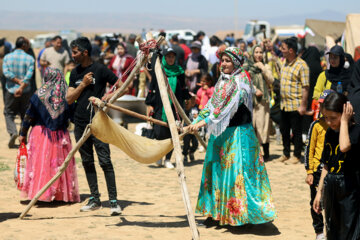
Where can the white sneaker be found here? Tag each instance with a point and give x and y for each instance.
(168, 164)
(115, 208)
(201, 149)
(320, 236)
(159, 163)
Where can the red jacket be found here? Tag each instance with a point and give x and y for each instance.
(187, 50)
(128, 61)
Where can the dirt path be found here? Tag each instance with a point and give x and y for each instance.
(151, 202)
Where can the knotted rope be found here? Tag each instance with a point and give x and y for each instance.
(145, 49)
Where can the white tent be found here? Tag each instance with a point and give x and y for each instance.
(352, 32)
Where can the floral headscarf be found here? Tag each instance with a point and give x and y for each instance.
(235, 54)
(230, 90)
(52, 93)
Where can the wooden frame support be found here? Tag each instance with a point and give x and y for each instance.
(177, 148)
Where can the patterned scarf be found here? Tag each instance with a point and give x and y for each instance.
(172, 72)
(227, 93)
(52, 93)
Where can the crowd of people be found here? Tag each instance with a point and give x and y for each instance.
(237, 92)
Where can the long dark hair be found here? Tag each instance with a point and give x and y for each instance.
(335, 102)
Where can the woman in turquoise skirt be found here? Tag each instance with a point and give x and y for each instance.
(235, 188)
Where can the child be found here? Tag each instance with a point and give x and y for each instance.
(192, 113)
(339, 182)
(313, 151)
(205, 91)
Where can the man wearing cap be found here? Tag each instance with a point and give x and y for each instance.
(251, 41)
(294, 82)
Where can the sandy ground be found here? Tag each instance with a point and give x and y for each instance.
(150, 198)
(151, 201)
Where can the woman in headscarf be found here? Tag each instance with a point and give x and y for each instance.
(337, 77)
(261, 78)
(311, 56)
(176, 78)
(195, 65)
(120, 64)
(49, 141)
(234, 188)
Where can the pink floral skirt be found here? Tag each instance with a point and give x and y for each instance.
(47, 151)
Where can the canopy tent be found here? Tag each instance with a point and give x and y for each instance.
(352, 33)
(322, 29)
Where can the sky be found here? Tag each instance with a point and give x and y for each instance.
(133, 15)
(193, 8)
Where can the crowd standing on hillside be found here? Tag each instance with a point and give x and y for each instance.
(237, 92)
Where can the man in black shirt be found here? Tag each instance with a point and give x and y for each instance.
(89, 79)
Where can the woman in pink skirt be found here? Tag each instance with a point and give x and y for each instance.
(49, 142)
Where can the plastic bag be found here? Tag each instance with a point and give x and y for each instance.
(20, 166)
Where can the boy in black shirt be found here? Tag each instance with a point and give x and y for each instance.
(89, 79)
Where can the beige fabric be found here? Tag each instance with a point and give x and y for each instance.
(261, 121)
(352, 32)
(141, 149)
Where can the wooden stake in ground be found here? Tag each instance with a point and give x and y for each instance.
(177, 148)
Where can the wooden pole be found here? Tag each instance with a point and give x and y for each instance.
(87, 133)
(137, 115)
(187, 120)
(97, 102)
(177, 148)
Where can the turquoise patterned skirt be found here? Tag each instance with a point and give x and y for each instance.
(235, 188)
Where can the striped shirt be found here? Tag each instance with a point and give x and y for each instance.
(18, 64)
(294, 76)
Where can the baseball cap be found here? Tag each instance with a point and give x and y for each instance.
(324, 94)
(196, 44)
(250, 40)
(336, 50)
(169, 50)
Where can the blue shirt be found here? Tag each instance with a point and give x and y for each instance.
(18, 64)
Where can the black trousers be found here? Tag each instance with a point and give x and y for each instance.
(190, 138)
(87, 156)
(342, 207)
(162, 133)
(318, 220)
(14, 106)
(291, 121)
